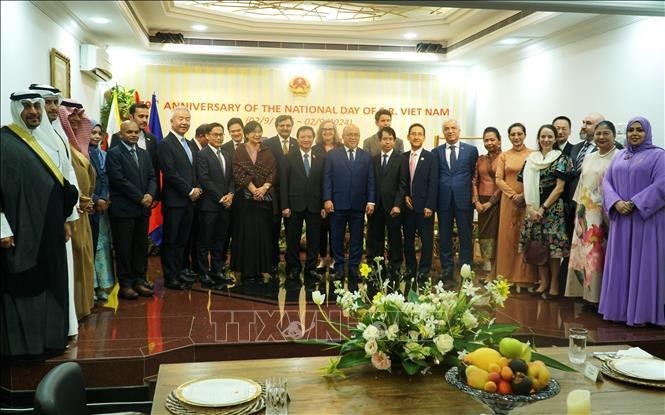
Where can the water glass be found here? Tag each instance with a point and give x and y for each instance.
(276, 396)
(577, 345)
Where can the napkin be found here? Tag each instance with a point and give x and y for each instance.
(632, 352)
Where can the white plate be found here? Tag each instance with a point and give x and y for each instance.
(218, 392)
(640, 368)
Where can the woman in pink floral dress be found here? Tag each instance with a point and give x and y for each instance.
(587, 254)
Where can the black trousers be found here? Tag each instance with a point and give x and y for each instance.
(312, 221)
(177, 226)
(130, 242)
(377, 224)
(213, 232)
(189, 260)
(424, 227)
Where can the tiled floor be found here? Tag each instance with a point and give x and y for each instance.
(126, 347)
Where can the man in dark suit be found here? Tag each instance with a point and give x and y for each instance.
(180, 191)
(457, 164)
(302, 181)
(389, 204)
(189, 261)
(132, 188)
(214, 170)
(563, 125)
(280, 145)
(420, 184)
(349, 192)
(235, 128)
(140, 113)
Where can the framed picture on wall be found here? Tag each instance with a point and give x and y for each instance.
(60, 73)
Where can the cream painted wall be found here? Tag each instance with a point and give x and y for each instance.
(620, 74)
(27, 38)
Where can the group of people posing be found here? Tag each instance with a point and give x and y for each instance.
(601, 207)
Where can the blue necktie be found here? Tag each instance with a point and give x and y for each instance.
(453, 157)
(385, 162)
(351, 156)
(306, 163)
(134, 156)
(187, 149)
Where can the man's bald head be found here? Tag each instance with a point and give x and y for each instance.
(589, 125)
(129, 132)
(351, 136)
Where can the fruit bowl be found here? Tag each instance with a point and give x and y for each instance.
(501, 404)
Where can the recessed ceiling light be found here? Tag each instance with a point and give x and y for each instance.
(512, 41)
(410, 35)
(100, 20)
(199, 27)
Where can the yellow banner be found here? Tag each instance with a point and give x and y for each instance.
(309, 94)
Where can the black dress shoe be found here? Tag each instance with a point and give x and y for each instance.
(191, 273)
(221, 277)
(128, 293)
(174, 284)
(187, 278)
(207, 281)
(312, 275)
(143, 291)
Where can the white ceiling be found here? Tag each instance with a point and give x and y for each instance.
(471, 35)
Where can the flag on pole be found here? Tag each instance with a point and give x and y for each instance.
(156, 219)
(113, 123)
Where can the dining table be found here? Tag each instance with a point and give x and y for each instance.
(366, 390)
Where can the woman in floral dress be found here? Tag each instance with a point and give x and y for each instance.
(544, 177)
(587, 253)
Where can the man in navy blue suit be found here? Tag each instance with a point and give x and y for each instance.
(349, 192)
(133, 187)
(457, 163)
(419, 185)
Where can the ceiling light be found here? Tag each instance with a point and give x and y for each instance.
(410, 35)
(513, 41)
(100, 20)
(199, 27)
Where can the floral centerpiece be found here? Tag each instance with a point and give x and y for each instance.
(428, 327)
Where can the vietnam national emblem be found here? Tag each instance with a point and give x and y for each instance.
(299, 86)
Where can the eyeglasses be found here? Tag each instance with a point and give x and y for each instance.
(217, 135)
(327, 129)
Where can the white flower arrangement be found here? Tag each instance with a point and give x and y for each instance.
(428, 327)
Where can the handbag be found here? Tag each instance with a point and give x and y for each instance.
(536, 252)
(249, 196)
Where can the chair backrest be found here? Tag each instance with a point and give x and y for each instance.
(61, 391)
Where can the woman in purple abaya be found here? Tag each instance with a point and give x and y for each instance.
(633, 288)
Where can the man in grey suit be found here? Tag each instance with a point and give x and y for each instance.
(372, 144)
(457, 164)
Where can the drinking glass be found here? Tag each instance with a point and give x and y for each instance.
(276, 396)
(577, 345)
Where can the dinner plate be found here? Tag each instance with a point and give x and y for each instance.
(640, 368)
(218, 392)
(608, 371)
